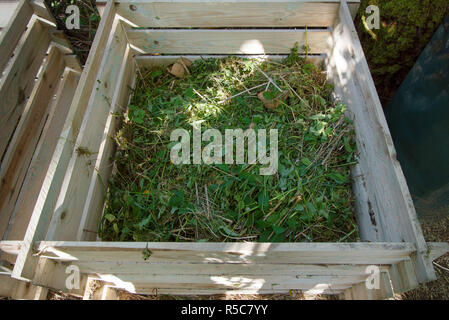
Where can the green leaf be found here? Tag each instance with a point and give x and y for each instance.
(228, 231)
(263, 200)
(278, 230)
(109, 217)
(306, 161)
(338, 178)
(146, 253)
(156, 74)
(311, 209)
(144, 222)
(189, 93)
(324, 213)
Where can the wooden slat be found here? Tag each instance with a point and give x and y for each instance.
(19, 78)
(367, 218)
(307, 253)
(230, 269)
(7, 10)
(13, 18)
(17, 289)
(386, 187)
(59, 40)
(148, 61)
(407, 275)
(72, 62)
(437, 249)
(249, 282)
(26, 136)
(207, 14)
(193, 292)
(42, 155)
(53, 275)
(10, 247)
(41, 9)
(68, 214)
(256, 41)
(93, 208)
(46, 202)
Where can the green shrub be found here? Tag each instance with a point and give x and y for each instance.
(405, 29)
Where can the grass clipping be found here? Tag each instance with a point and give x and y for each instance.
(308, 199)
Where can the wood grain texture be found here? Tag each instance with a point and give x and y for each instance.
(387, 190)
(213, 14)
(10, 247)
(21, 290)
(203, 268)
(93, 207)
(7, 10)
(309, 253)
(236, 282)
(19, 77)
(178, 41)
(148, 61)
(50, 274)
(230, 269)
(13, 21)
(68, 211)
(26, 136)
(42, 212)
(40, 162)
(41, 9)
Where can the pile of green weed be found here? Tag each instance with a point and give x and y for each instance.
(405, 29)
(308, 199)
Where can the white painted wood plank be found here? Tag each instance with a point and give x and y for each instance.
(201, 41)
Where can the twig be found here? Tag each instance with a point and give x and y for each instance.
(207, 201)
(294, 92)
(440, 266)
(196, 190)
(269, 79)
(245, 91)
(200, 95)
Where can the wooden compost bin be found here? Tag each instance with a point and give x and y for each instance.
(62, 230)
(39, 75)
